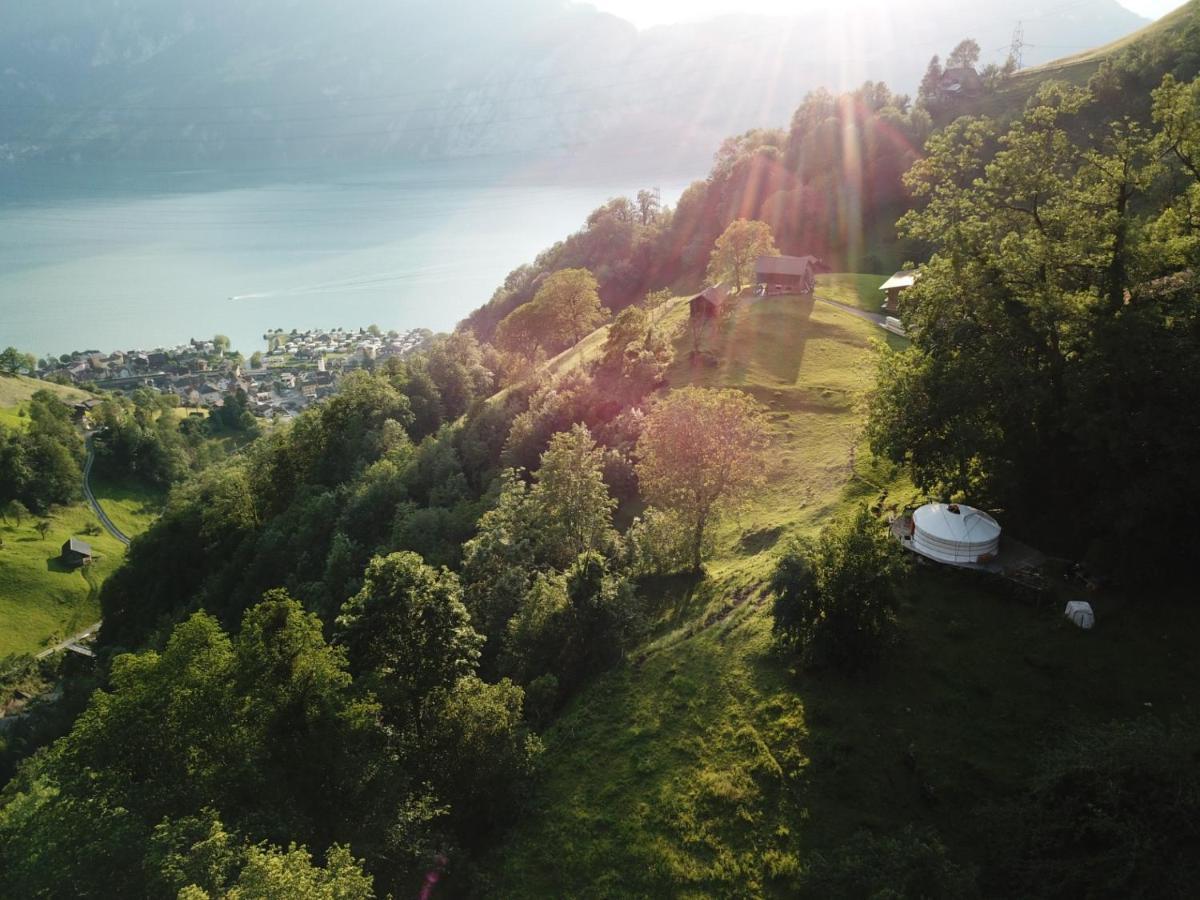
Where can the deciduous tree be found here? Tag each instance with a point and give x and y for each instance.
(835, 599)
(571, 304)
(965, 53)
(408, 631)
(701, 452)
(572, 505)
(14, 362)
(737, 248)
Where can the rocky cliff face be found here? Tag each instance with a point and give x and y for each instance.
(288, 80)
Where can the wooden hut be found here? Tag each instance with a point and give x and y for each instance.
(709, 303)
(786, 274)
(76, 552)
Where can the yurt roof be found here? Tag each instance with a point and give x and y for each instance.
(956, 522)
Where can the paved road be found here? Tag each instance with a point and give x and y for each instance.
(94, 503)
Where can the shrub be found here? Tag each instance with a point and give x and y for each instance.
(1112, 811)
(656, 544)
(835, 598)
(910, 864)
(541, 700)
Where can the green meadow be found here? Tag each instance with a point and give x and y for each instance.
(42, 601)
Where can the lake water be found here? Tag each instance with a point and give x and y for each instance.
(123, 258)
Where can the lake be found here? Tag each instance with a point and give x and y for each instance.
(112, 258)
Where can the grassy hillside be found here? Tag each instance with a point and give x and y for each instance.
(708, 766)
(859, 291)
(1080, 66)
(15, 391)
(41, 600)
(1077, 69)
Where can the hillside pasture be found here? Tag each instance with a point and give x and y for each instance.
(16, 390)
(853, 289)
(40, 599)
(708, 764)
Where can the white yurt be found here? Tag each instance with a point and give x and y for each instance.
(954, 533)
(1080, 613)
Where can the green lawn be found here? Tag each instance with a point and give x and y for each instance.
(130, 504)
(859, 291)
(706, 765)
(40, 600)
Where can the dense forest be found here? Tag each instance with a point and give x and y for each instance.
(327, 666)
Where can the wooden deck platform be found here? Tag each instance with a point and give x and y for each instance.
(1016, 561)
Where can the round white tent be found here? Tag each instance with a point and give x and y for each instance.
(954, 533)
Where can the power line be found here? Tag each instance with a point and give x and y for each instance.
(1018, 44)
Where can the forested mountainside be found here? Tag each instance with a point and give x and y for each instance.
(302, 80)
(628, 621)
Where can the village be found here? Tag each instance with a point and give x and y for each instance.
(296, 369)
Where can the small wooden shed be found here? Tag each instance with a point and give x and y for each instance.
(76, 552)
(709, 302)
(894, 286)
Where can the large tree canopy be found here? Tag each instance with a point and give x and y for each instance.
(1056, 330)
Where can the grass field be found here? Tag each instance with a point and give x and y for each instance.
(130, 504)
(859, 291)
(40, 600)
(708, 766)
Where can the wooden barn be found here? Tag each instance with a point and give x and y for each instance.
(786, 274)
(76, 552)
(709, 302)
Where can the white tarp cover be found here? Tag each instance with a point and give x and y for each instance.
(954, 533)
(1080, 613)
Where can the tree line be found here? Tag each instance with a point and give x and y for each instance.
(1056, 327)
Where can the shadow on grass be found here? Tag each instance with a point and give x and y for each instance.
(681, 597)
(55, 564)
(144, 499)
(754, 542)
(769, 334)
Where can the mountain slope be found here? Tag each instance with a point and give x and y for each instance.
(1135, 65)
(296, 80)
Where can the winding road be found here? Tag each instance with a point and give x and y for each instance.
(94, 503)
